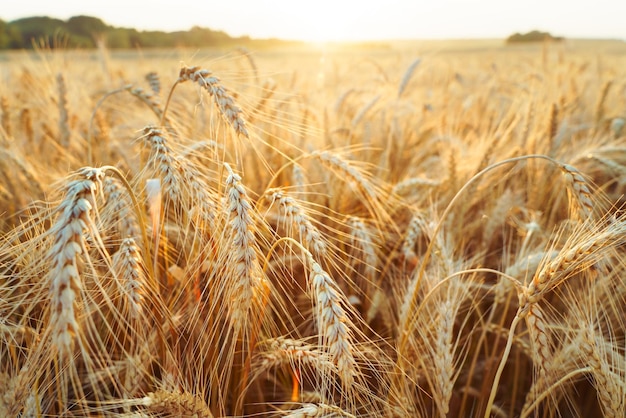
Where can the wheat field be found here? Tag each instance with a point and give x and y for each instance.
(418, 231)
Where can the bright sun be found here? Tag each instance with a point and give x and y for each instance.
(328, 21)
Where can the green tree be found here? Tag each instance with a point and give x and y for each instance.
(86, 27)
(40, 29)
(9, 36)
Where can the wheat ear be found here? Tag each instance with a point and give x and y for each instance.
(609, 384)
(294, 213)
(151, 99)
(164, 161)
(407, 76)
(579, 253)
(5, 120)
(129, 265)
(69, 243)
(176, 404)
(538, 330)
(223, 99)
(362, 237)
(319, 410)
(579, 191)
(13, 395)
(155, 83)
(332, 322)
(64, 129)
(444, 357)
(180, 177)
(121, 208)
(243, 258)
(281, 350)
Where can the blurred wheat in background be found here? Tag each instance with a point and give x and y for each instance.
(379, 234)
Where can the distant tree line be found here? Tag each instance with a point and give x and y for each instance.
(88, 32)
(532, 36)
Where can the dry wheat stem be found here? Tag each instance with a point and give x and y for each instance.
(528, 409)
(503, 360)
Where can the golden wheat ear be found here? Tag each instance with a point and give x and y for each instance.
(74, 219)
(224, 101)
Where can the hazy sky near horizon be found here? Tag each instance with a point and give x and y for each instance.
(322, 20)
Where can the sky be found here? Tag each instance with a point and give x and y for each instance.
(332, 20)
